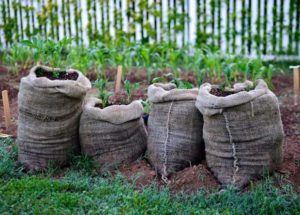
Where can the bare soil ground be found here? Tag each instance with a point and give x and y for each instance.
(194, 177)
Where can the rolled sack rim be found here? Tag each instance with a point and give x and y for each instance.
(43, 82)
(169, 92)
(115, 114)
(209, 104)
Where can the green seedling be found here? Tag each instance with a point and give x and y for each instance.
(103, 93)
(129, 88)
(177, 81)
(182, 85)
(146, 106)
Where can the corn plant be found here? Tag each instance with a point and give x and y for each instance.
(103, 93)
(146, 106)
(130, 88)
(18, 58)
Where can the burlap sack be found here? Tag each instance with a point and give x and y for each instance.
(175, 128)
(49, 113)
(243, 133)
(113, 135)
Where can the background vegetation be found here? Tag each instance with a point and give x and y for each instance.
(151, 60)
(244, 26)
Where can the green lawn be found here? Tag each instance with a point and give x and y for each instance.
(81, 192)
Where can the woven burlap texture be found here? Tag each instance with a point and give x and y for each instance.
(113, 135)
(49, 113)
(175, 129)
(243, 132)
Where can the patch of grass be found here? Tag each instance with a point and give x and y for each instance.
(78, 193)
(81, 192)
(8, 157)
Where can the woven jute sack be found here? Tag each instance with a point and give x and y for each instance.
(49, 113)
(113, 135)
(175, 129)
(243, 133)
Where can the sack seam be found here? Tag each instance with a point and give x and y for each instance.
(235, 158)
(164, 175)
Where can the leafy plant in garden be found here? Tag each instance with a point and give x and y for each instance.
(146, 106)
(103, 93)
(177, 81)
(18, 58)
(129, 88)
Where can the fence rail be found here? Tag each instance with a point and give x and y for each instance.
(267, 27)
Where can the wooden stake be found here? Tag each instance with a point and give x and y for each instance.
(6, 108)
(296, 83)
(118, 79)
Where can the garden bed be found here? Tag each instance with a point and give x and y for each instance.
(194, 177)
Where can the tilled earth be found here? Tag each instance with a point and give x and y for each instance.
(198, 176)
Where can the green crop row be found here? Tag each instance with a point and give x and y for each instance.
(49, 18)
(98, 57)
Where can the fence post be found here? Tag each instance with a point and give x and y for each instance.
(6, 108)
(118, 79)
(296, 82)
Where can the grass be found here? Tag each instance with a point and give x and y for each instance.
(82, 192)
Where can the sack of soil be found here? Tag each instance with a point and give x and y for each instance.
(242, 131)
(174, 128)
(49, 113)
(112, 135)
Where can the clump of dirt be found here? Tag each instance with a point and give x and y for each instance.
(220, 93)
(60, 75)
(110, 73)
(136, 75)
(192, 179)
(282, 84)
(188, 180)
(139, 172)
(12, 91)
(190, 77)
(290, 115)
(119, 98)
(291, 159)
(91, 75)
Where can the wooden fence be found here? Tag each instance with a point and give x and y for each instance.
(267, 27)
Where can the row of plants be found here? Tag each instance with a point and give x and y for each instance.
(98, 59)
(23, 20)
